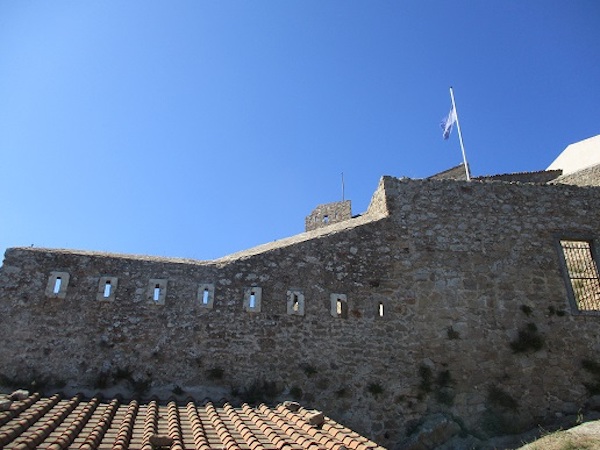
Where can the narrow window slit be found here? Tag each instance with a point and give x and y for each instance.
(380, 309)
(252, 299)
(107, 289)
(341, 308)
(57, 284)
(156, 296)
(296, 303)
(205, 297)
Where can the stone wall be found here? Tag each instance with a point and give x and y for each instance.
(437, 280)
(542, 176)
(589, 176)
(327, 214)
(454, 173)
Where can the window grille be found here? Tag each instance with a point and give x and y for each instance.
(583, 274)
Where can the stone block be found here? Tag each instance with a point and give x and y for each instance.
(160, 441)
(291, 406)
(5, 404)
(316, 418)
(18, 395)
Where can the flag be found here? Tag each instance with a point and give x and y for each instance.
(448, 122)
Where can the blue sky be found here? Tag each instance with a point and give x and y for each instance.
(200, 128)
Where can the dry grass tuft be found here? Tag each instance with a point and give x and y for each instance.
(564, 440)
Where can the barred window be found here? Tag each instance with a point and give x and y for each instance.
(582, 271)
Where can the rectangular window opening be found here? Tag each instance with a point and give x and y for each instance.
(107, 289)
(380, 309)
(296, 303)
(325, 219)
(205, 297)
(252, 303)
(341, 308)
(583, 273)
(57, 284)
(156, 295)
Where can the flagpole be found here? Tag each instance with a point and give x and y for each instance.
(462, 146)
(343, 196)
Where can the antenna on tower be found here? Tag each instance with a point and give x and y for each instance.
(343, 194)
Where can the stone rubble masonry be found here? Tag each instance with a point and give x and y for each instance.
(589, 176)
(460, 268)
(454, 173)
(330, 213)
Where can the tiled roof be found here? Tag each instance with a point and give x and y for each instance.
(32, 421)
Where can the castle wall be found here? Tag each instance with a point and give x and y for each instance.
(327, 214)
(590, 176)
(459, 270)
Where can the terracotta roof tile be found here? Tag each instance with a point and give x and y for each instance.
(55, 423)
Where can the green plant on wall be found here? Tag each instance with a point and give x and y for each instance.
(452, 333)
(527, 310)
(528, 340)
(309, 370)
(342, 392)
(444, 393)
(216, 373)
(552, 311)
(375, 389)
(593, 368)
(260, 391)
(440, 385)
(498, 397)
(499, 415)
(426, 376)
(102, 380)
(141, 386)
(296, 393)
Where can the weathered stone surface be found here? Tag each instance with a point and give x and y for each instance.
(5, 404)
(18, 395)
(160, 441)
(316, 418)
(451, 264)
(435, 431)
(292, 406)
(594, 403)
(586, 177)
(328, 214)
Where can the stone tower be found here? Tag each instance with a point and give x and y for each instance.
(328, 214)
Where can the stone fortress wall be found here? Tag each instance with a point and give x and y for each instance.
(330, 213)
(445, 296)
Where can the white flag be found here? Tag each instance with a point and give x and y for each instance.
(448, 122)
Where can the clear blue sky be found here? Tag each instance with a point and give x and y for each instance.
(200, 128)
